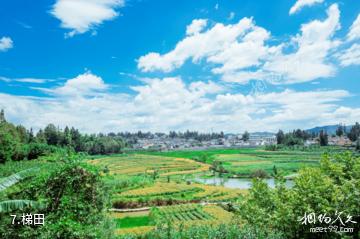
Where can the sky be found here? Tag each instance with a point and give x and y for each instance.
(160, 65)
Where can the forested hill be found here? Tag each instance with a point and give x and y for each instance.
(18, 143)
(330, 129)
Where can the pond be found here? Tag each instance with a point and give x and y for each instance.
(241, 183)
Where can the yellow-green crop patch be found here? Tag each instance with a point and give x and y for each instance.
(135, 164)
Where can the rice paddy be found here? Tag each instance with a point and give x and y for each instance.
(162, 183)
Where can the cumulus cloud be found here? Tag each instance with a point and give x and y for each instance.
(80, 16)
(301, 4)
(196, 47)
(354, 32)
(311, 59)
(241, 52)
(86, 84)
(196, 26)
(350, 56)
(6, 43)
(171, 104)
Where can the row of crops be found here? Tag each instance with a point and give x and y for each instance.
(180, 192)
(180, 213)
(160, 189)
(135, 164)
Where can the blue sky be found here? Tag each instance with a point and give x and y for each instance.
(117, 65)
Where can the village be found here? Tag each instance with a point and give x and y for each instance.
(166, 143)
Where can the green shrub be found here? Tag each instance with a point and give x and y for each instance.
(76, 200)
(260, 173)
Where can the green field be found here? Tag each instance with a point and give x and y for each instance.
(130, 222)
(149, 189)
(164, 181)
(243, 162)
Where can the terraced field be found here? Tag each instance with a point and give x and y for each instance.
(185, 215)
(135, 164)
(162, 183)
(162, 193)
(243, 162)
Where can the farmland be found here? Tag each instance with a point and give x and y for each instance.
(163, 183)
(184, 215)
(243, 162)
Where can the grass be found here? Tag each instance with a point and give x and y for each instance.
(130, 222)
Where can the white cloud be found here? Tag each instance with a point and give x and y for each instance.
(350, 56)
(354, 32)
(303, 3)
(81, 16)
(197, 47)
(82, 85)
(231, 16)
(6, 43)
(25, 80)
(242, 52)
(311, 60)
(196, 26)
(170, 104)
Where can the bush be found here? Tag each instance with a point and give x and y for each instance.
(272, 147)
(75, 199)
(37, 149)
(21, 152)
(334, 187)
(260, 173)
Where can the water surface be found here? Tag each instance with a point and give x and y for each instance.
(241, 183)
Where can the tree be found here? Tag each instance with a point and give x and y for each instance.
(31, 136)
(66, 137)
(246, 136)
(340, 131)
(51, 134)
(280, 137)
(2, 116)
(9, 141)
(291, 140)
(40, 137)
(214, 166)
(323, 138)
(332, 188)
(354, 133)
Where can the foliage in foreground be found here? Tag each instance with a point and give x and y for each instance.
(332, 188)
(224, 231)
(75, 200)
(11, 205)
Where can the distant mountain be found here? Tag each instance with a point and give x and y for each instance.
(330, 129)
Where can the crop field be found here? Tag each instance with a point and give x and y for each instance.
(135, 164)
(164, 183)
(185, 215)
(243, 162)
(190, 214)
(162, 193)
